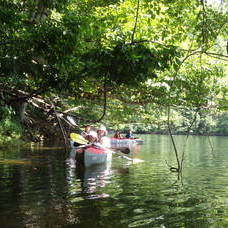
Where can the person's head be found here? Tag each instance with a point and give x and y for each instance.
(87, 128)
(92, 136)
(101, 131)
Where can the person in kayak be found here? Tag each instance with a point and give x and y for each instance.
(86, 131)
(129, 134)
(117, 135)
(92, 137)
(102, 138)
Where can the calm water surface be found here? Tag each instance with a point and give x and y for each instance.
(40, 187)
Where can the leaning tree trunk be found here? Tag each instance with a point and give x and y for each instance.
(20, 109)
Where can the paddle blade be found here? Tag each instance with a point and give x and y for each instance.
(137, 160)
(78, 138)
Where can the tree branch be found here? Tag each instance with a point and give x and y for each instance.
(136, 21)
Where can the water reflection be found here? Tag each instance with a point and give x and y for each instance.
(91, 178)
(45, 188)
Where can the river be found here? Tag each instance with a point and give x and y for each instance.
(41, 187)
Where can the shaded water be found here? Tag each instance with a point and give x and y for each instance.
(41, 187)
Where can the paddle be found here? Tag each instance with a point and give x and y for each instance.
(78, 138)
(133, 160)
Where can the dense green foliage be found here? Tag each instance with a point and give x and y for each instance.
(9, 127)
(119, 61)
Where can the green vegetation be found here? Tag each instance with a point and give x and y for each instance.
(125, 63)
(9, 127)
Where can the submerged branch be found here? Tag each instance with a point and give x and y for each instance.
(178, 169)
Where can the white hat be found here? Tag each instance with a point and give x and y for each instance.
(102, 128)
(93, 133)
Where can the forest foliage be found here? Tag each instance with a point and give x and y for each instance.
(123, 62)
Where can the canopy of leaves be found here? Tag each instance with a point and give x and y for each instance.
(115, 53)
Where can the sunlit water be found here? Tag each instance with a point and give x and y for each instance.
(42, 187)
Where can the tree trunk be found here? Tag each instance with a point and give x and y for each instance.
(20, 109)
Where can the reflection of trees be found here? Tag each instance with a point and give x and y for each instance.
(10, 188)
(46, 192)
(35, 193)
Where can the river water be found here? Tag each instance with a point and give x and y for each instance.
(41, 187)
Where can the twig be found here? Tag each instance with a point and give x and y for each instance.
(136, 21)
